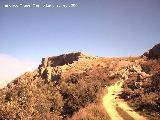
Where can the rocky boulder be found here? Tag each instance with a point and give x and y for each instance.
(154, 53)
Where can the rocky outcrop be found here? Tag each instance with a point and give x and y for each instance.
(61, 60)
(153, 53)
(50, 67)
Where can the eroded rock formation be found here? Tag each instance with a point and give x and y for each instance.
(153, 53)
(51, 67)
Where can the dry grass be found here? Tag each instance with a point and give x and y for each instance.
(91, 112)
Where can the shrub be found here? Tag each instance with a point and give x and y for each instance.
(91, 112)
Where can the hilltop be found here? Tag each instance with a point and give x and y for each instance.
(71, 86)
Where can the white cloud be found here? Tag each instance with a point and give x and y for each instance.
(11, 67)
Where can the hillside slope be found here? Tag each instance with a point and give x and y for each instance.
(69, 85)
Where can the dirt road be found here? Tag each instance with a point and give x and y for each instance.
(111, 101)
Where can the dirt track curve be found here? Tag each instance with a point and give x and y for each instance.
(111, 101)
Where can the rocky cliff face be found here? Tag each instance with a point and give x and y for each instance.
(61, 60)
(153, 53)
(51, 68)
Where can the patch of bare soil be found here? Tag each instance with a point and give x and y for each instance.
(111, 101)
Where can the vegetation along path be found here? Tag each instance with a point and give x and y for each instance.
(113, 104)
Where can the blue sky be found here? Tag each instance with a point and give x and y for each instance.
(98, 27)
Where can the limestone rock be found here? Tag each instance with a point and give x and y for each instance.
(52, 66)
(153, 53)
